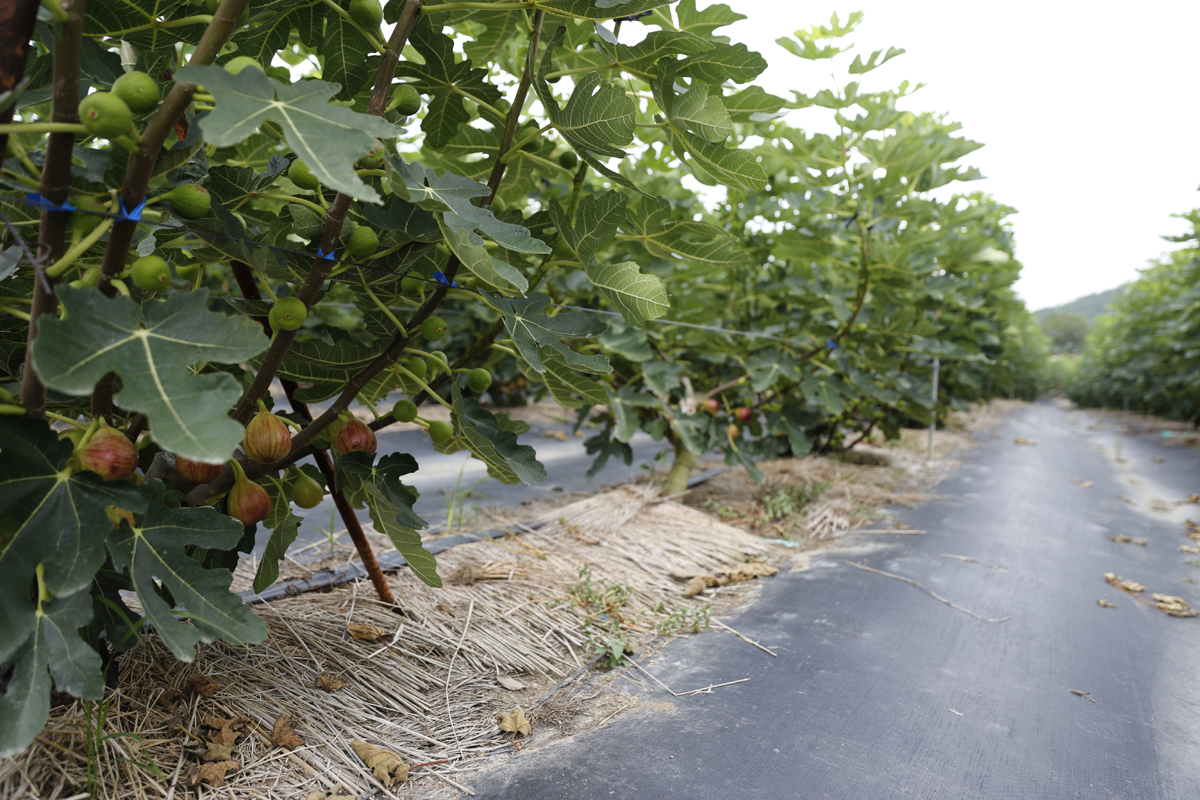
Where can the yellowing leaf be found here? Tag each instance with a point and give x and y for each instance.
(515, 722)
(389, 768)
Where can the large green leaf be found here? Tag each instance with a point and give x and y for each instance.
(597, 220)
(155, 551)
(328, 138)
(53, 649)
(492, 441)
(639, 296)
(599, 9)
(491, 272)
(624, 405)
(682, 240)
(390, 505)
(529, 326)
(153, 349)
(564, 384)
(446, 80)
(346, 55)
(452, 194)
(734, 63)
(705, 21)
(282, 536)
(136, 21)
(597, 120)
(48, 516)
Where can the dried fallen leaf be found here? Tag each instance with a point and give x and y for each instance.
(213, 774)
(1132, 586)
(330, 682)
(1085, 695)
(170, 698)
(1023, 440)
(753, 569)
(226, 731)
(1082, 484)
(515, 722)
(512, 684)
(337, 793)
(389, 768)
(283, 732)
(1105, 604)
(217, 752)
(1174, 606)
(1193, 498)
(365, 632)
(562, 437)
(1140, 542)
(1121, 538)
(202, 684)
(1157, 459)
(1183, 548)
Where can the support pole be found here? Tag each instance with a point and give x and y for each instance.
(937, 363)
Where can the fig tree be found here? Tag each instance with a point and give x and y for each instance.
(406, 99)
(368, 13)
(440, 432)
(267, 438)
(138, 90)
(434, 329)
(479, 380)
(190, 200)
(105, 115)
(404, 411)
(363, 242)
(302, 176)
(287, 314)
(150, 274)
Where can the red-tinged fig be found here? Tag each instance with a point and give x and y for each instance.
(267, 438)
(197, 471)
(356, 437)
(248, 502)
(109, 454)
(712, 405)
(116, 514)
(734, 431)
(306, 492)
(743, 413)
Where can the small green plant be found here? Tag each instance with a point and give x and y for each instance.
(95, 720)
(329, 534)
(791, 500)
(683, 620)
(456, 500)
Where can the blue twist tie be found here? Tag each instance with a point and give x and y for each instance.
(832, 344)
(36, 199)
(130, 216)
(440, 278)
(327, 256)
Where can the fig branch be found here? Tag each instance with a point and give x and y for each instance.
(17, 18)
(55, 183)
(514, 112)
(334, 218)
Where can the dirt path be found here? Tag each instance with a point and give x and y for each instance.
(880, 691)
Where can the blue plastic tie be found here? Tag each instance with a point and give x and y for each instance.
(130, 216)
(36, 199)
(327, 256)
(440, 278)
(832, 344)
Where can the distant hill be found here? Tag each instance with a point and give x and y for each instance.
(1088, 307)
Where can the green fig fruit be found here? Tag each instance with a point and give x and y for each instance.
(434, 329)
(83, 221)
(441, 432)
(302, 176)
(91, 276)
(306, 492)
(373, 159)
(105, 115)
(533, 145)
(138, 90)
(417, 366)
(498, 204)
(190, 272)
(190, 200)
(368, 13)
(234, 66)
(406, 99)
(479, 380)
(288, 313)
(363, 242)
(568, 160)
(151, 274)
(412, 286)
(404, 411)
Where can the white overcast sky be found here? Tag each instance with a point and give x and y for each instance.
(1089, 112)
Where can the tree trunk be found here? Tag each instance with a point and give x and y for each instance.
(681, 470)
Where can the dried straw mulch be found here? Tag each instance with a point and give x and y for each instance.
(427, 689)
